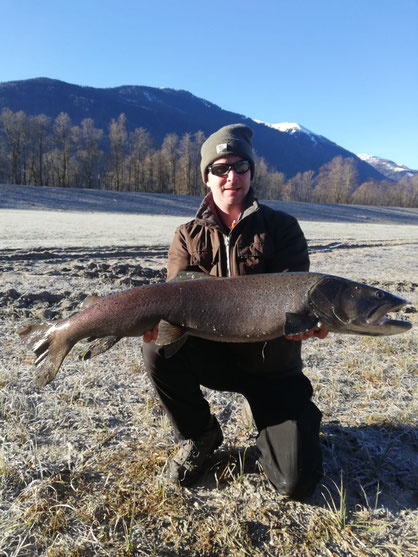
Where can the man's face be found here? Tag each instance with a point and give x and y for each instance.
(229, 190)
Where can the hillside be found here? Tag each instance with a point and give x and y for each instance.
(164, 111)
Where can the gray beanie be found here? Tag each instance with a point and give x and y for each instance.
(234, 139)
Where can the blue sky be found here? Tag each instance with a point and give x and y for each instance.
(345, 69)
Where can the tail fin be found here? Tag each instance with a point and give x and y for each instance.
(50, 347)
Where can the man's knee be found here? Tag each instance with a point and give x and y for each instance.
(291, 454)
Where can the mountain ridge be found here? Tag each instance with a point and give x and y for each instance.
(387, 167)
(164, 110)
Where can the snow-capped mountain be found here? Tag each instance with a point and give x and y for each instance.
(386, 167)
(293, 128)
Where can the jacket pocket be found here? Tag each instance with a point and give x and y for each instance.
(253, 256)
(203, 259)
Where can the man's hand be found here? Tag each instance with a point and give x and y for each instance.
(319, 333)
(151, 335)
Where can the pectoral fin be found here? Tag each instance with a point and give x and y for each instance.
(169, 333)
(174, 347)
(297, 323)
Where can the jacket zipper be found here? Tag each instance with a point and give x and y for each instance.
(227, 241)
(228, 257)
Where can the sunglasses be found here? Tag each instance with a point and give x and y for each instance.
(223, 169)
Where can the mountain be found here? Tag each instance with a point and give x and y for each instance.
(388, 168)
(163, 111)
(303, 135)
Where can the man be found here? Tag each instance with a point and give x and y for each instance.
(232, 234)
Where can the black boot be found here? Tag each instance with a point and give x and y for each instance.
(188, 464)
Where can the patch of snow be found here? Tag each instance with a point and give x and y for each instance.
(291, 127)
(385, 165)
(151, 98)
(365, 157)
(207, 103)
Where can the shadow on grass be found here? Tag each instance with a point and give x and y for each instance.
(372, 466)
(377, 465)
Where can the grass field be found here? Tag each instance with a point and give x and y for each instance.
(82, 461)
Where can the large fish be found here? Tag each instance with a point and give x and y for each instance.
(249, 308)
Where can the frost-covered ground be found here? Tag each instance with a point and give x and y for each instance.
(82, 460)
(345, 235)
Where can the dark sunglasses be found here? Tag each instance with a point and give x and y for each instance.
(222, 169)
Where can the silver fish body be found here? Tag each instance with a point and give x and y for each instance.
(249, 308)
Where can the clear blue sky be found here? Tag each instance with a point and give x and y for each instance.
(346, 69)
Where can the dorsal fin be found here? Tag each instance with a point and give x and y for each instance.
(90, 301)
(184, 276)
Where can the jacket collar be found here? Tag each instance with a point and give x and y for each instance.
(209, 213)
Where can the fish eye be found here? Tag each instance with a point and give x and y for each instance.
(379, 294)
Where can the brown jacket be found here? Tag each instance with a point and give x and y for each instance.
(262, 241)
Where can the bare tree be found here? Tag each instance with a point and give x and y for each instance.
(4, 164)
(186, 186)
(368, 193)
(276, 181)
(169, 162)
(140, 144)
(336, 180)
(301, 186)
(33, 152)
(65, 141)
(157, 171)
(89, 153)
(38, 128)
(15, 127)
(196, 177)
(410, 185)
(260, 178)
(117, 137)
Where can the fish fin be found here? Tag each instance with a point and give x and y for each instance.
(99, 346)
(90, 301)
(32, 334)
(169, 333)
(297, 323)
(50, 347)
(171, 349)
(184, 276)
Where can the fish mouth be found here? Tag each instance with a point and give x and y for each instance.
(378, 316)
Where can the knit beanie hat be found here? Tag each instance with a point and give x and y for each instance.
(234, 139)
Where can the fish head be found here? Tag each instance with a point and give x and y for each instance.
(346, 306)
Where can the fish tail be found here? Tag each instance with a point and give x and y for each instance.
(50, 346)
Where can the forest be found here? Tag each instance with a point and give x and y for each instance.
(40, 151)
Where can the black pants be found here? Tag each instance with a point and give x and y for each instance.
(286, 419)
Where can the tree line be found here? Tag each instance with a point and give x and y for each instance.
(39, 151)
